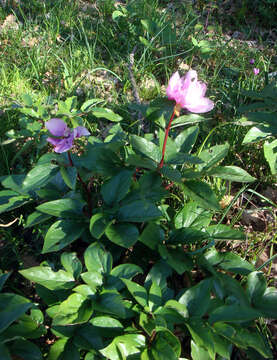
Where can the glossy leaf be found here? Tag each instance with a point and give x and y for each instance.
(125, 345)
(69, 175)
(97, 259)
(10, 200)
(267, 304)
(71, 263)
(125, 235)
(202, 194)
(106, 114)
(192, 215)
(213, 156)
(48, 278)
(139, 211)
(152, 236)
(125, 271)
(67, 208)
(225, 232)
(137, 291)
(233, 314)
(177, 259)
(256, 286)
(61, 234)
(186, 139)
(117, 187)
(39, 176)
(146, 148)
(270, 153)
(36, 218)
(231, 173)
(98, 224)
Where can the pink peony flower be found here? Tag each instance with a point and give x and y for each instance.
(256, 71)
(58, 127)
(189, 93)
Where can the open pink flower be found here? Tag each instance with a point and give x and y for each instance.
(189, 93)
(256, 71)
(65, 136)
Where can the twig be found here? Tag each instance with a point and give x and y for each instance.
(9, 224)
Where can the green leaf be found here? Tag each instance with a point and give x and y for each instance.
(181, 309)
(107, 326)
(201, 334)
(110, 302)
(125, 235)
(137, 291)
(139, 211)
(197, 298)
(192, 215)
(61, 234)
(26, 350)
(93, 278)
(39, 176)
(46, 277)
(225, 232)
(63, 349)
(88, 338)
(267, 304)
(165, 345)
(232, 262)
(140, 161)
(186, 139)
(125, 345)
(154, 297)
(72, 264)
(69, 175)
(13, 182)
(27, 99)
(234, 314)
(176, 258)
(74, 310)
(146, 148)
(99, 223)
(10, 200)
(4, 352)
(87, 105)
(181, 159)
(256, 286)
(152, 235)
(198, 352)
(202, 194)
(98, 259)
(12, 306)
(125, 271)
(256, 134)
(62, 208)
(212, 156)
(3, 279)
(172, 174)
(270, 153)
(231, 173)
(115, 189)
(187, 236)
(187, 119)
(105, 114)
(36, 218)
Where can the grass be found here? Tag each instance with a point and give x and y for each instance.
(83, 48)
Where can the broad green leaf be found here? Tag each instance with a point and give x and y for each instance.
(147, 322)
(88, 338)
(63, 208)
(110, 302)
(26, 350)
(71, 263)
(27, 99)
(39, 176)
(13, 182)
(36, 218)
(115, 189)
(181, 159)
(213, 156)
(61, 234)
(154, 297)
(125, 235)
(187, 119)
(10, 200)
(192, 215)
(234, 314)
(106, 114)
(74, 310)
(125, 345)
(232, 262)
(3, 279)
(256, 134)
(231, 173)
(267, 304)
(181, 309)
(197, 298)
(12, 306)
(186, 139)
(158, 274)
(201, 334)
(225, 232)
(63, 349)
(125, 271)
(98, 259)
(48, 278)
(99, 223)
(140, 161)
(69, 175)
(4, 352)
(86, 290)
(139, 211)
(107, 326)
(172, 174)
(176, 258)
(146, 148)
(137, 291)
(202, 194)
(270, 153)
(87, 105)
(93, 278)
(198, 352)
(187, 236)
(256, 286)
(165, 345)
(152, 235)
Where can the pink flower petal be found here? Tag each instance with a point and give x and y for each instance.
(80, 131)
(57, 127)
(62, 145)
(201, 106)
(173, 87)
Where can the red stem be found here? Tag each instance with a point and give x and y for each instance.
(83, 184)
(165, 138)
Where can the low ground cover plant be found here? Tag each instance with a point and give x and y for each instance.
(144, 279)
